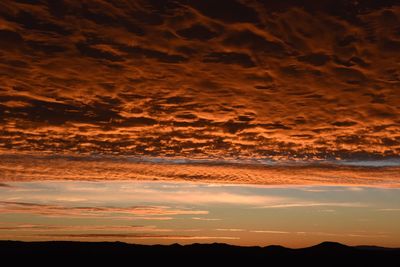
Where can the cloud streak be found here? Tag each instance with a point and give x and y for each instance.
(137, 236)
(31, 167)
(317, 204)
(8, 207)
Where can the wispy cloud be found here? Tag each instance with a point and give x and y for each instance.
(230, 230)
(389, 209)
(82, 228)
(95, 211)
(137, 236)
(268, 232)
(206, 219)
(314, 204)
(111, 191)
(333, 234)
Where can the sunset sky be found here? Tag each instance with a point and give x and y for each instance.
(238, 105)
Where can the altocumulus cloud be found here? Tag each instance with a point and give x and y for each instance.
(204, 79)
(32, 167)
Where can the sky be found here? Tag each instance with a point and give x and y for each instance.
(293, 93)
(170, 212)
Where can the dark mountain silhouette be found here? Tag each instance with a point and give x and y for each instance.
(324, 254)
(376, 248)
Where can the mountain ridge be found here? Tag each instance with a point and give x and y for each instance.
(325, 253)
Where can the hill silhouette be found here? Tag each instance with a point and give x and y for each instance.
(324, 254)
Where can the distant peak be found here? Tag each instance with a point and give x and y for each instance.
(330, 244)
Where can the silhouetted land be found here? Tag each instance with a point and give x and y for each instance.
(324, 254)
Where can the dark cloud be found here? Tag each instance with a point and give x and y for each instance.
(315, 59)
(226, 10)
(53, 113)
(137, 121)
(350, 75)
(217, 79)
(254, 42)
(88, 51)
(344, 123)
(230, 58)
(343, 9)
(32, 22)
(197, 32)
(10, 39)
(136, 51)
(45, 47)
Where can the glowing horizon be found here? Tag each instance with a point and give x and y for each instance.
(166, 213)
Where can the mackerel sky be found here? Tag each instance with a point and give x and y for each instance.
(299, 80)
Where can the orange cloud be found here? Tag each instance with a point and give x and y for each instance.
(30, 167)
(208, 79)
(95, 211)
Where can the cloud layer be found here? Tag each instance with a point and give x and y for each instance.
(31, 167)
(203, 79)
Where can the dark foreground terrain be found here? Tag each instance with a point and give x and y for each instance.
(324, 254)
